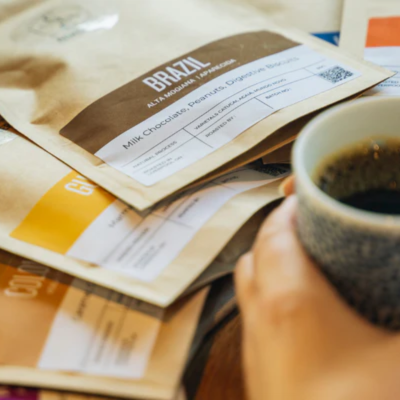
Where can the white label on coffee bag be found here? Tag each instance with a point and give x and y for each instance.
(220, 110)
(100, 332)
(387, 57)
(143, 246)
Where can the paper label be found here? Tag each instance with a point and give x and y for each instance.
(191, 107)
(45, 312)
(220, 110)
(383, 48)
(100, 229)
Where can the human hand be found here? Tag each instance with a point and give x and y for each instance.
(300, 340)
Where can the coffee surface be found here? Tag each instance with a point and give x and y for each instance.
(365, 176)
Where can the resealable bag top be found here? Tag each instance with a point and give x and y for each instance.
(371, 29)
(144, 98)
(60, 332)
(53, 215)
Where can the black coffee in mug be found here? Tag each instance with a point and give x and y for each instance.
(364, 176)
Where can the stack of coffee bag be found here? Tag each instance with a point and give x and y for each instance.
(131, 176)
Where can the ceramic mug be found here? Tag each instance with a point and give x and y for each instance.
(359, 251)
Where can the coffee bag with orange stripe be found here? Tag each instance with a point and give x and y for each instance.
(371, 29)
(64, 333)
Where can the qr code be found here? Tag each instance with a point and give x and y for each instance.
(335, 74)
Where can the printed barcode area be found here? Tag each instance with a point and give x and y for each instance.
(335, 74)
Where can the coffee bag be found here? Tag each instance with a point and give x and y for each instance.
(371, 29)
(68, 334)
(146, 98)
(55, 216)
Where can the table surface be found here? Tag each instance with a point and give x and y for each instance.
(222, 377)
(216, 371)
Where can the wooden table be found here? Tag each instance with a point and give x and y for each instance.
(216, 371)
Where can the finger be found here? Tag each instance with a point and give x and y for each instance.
(244, 280)
(282, 219)
(280, 261)
(297, 302)
(287, 187)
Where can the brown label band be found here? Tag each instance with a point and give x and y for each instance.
(152, 92)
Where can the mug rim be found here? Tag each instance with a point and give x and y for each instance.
(357, 215)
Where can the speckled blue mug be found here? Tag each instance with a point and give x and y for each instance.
(359, 251)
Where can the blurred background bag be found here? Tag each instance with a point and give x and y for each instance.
(371, 29)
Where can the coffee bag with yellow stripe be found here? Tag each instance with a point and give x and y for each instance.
(54, 215)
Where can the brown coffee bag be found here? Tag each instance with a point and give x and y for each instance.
(146, 98)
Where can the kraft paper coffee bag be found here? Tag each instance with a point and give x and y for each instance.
(60, 332)
(371, 29)
(53, 215)
(144, 98)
